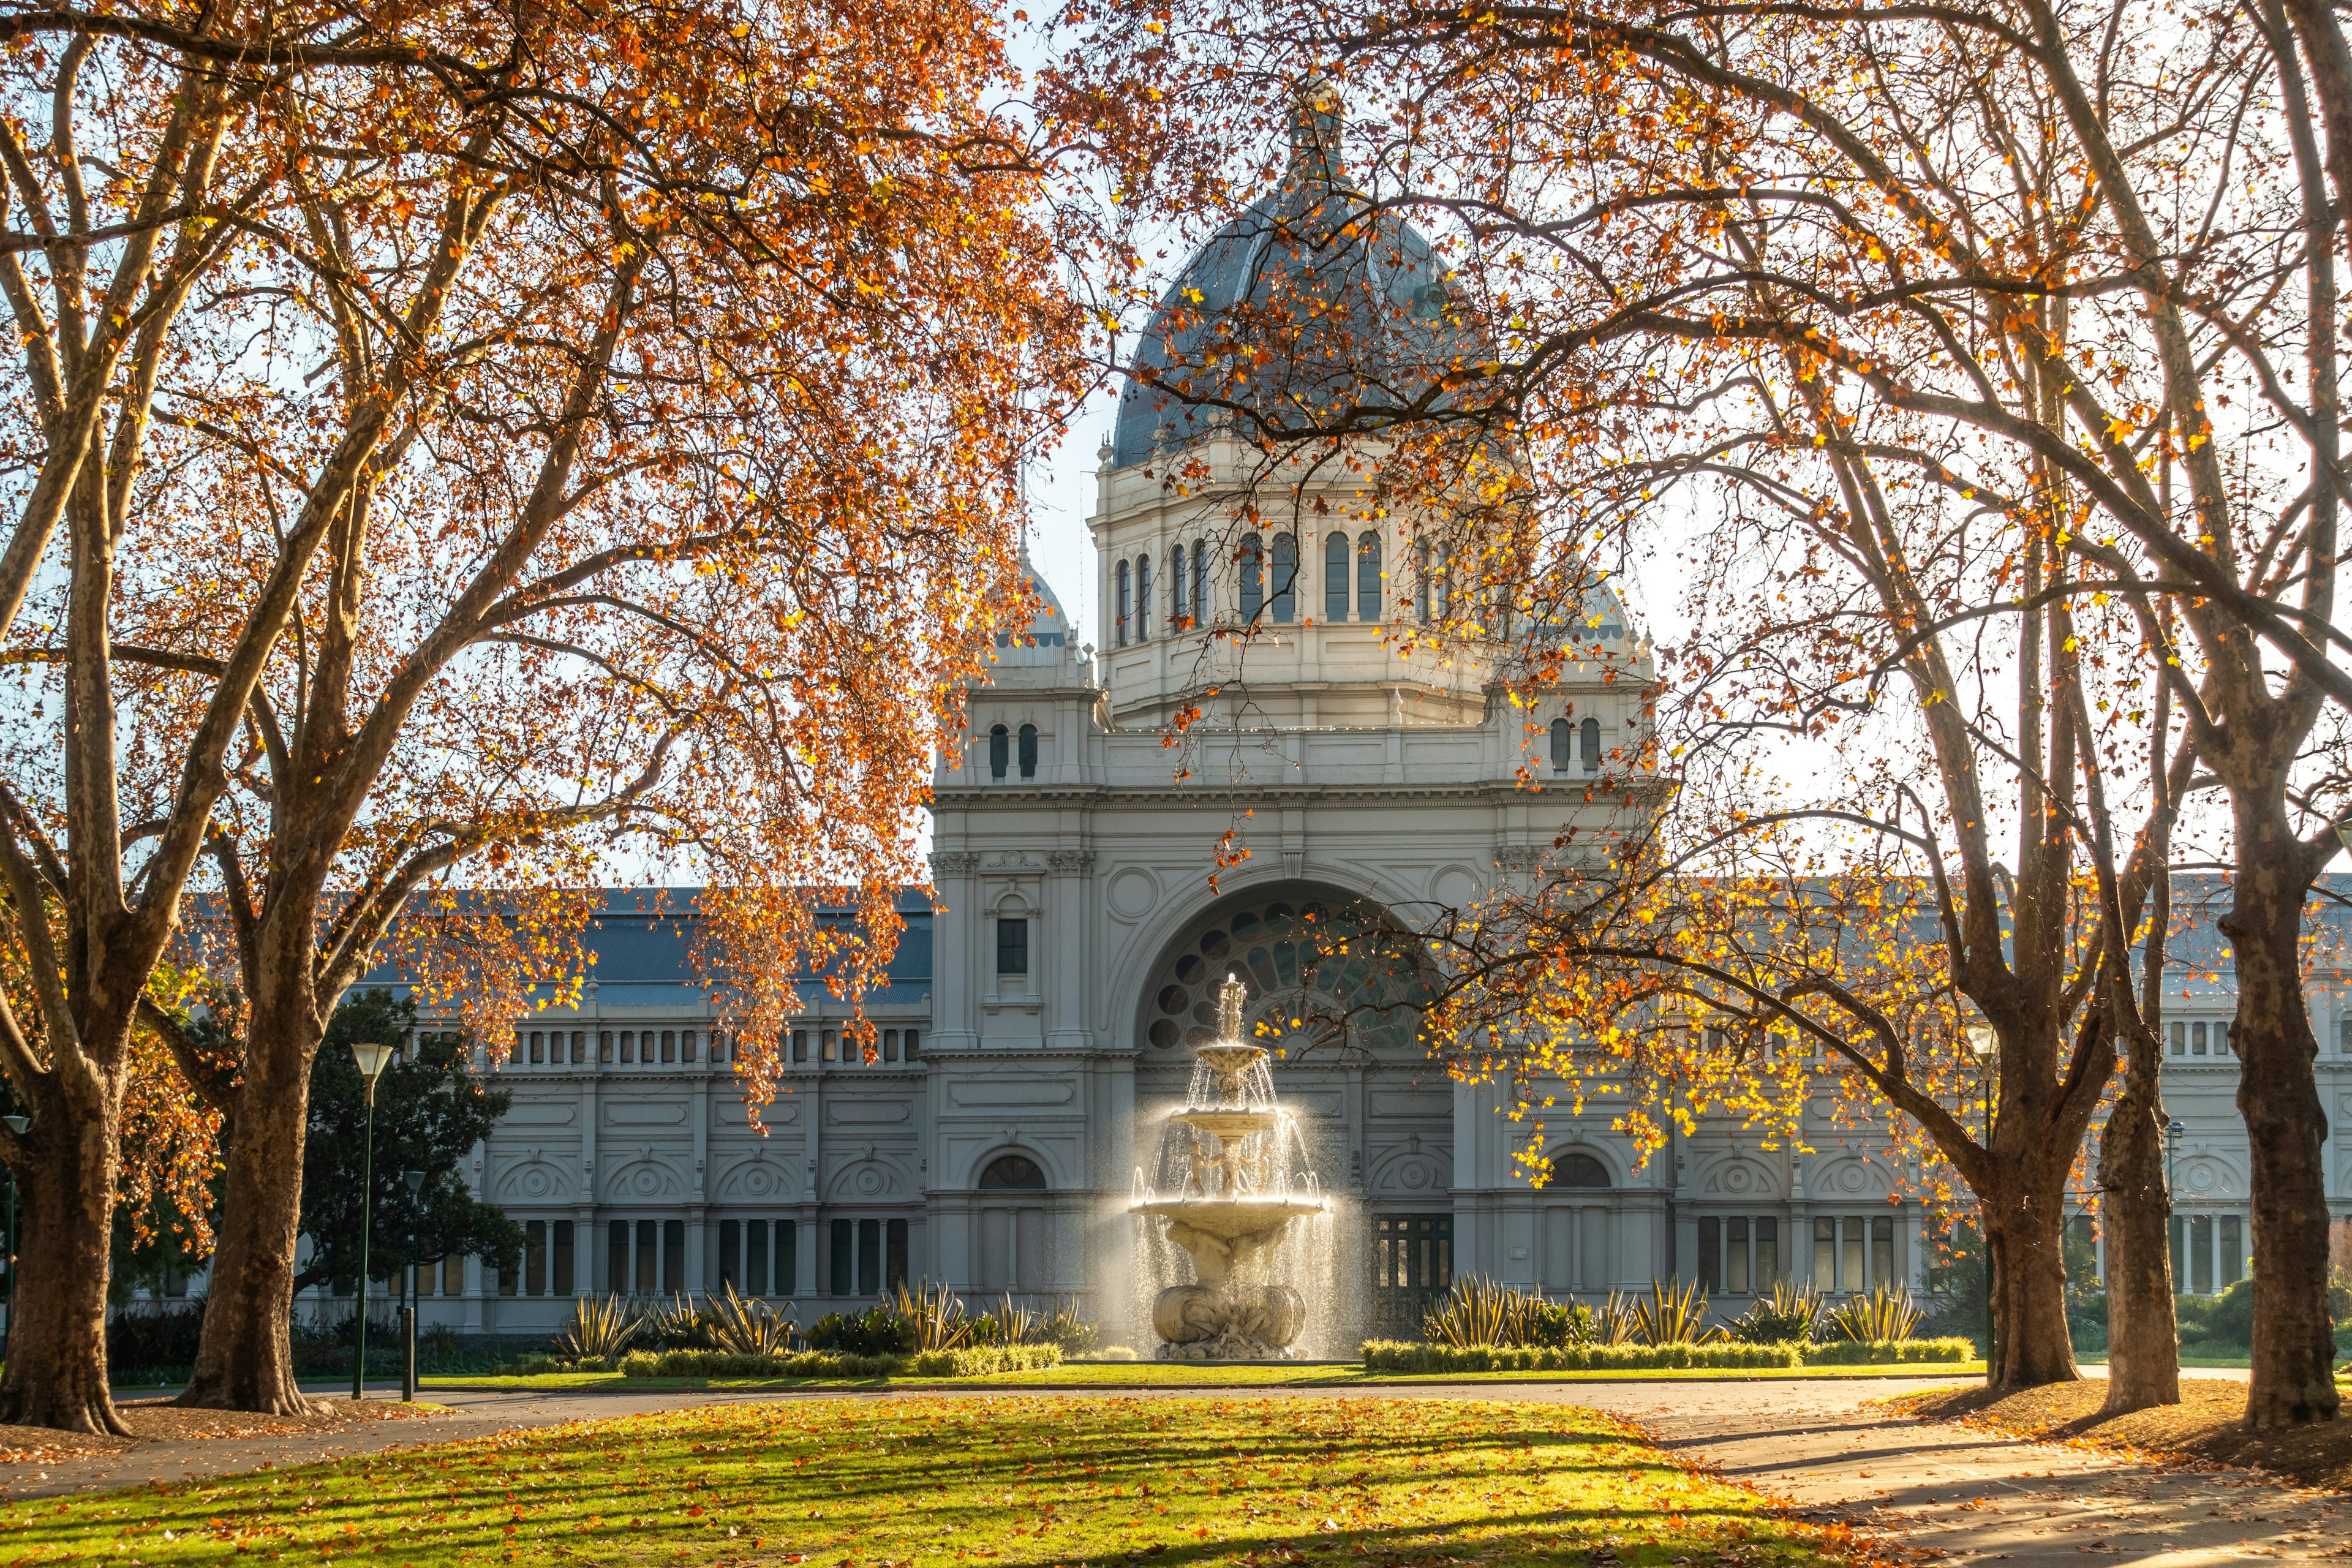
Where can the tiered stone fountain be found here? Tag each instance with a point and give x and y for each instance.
(1237, 1165)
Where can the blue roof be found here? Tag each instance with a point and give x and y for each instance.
(640, 940)
(1305, 304)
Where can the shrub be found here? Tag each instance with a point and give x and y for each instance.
(1884, 1353)
(1790, 1313)
(725, 1364)
(153, 1341)
(1886, 1312)
(1478, 1311)
(1067, 1331)
(1391, 1356)
(981, 1361)
(676, 1324)
(936, 1315)
(1122, 1352)
(876, 1332)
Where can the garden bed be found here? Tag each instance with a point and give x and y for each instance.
(2207, 1426)
(1399, 1356)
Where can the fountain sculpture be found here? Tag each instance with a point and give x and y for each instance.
(1237, 1164)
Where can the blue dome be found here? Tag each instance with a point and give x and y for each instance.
(1308, 303)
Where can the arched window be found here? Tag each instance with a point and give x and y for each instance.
(1335, 578)
(1028, 750)
(1201, 608)
(1119, 629)
(1176, 587)
(1588, 739)
(1285, 577)
(1142, 597)
(1579, 1170)
(1252, 566)
(1020, 1174)
(1563, 744)
(1000, 747)
(1420, 580)
(1370, 592)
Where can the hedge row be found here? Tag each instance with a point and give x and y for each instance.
(1394, 1355)
(980, 1362)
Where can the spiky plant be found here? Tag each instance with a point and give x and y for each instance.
(1069, 1328)
(1479, 1311)
(676, 1324)
(743, 1326)
(1015, 1324)
(1616, 1322)
(1675, 1314)
(1883, 1312)
(938, 1313)
(601, 1328)
(1790, 1312)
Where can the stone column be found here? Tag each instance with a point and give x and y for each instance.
(1069, 906)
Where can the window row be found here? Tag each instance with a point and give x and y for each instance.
(557, 1047)
(2198, 1038)
(821, 1045)
(1738, 1253)
(1000, 750)
(647, 1257)
(1576, 745)
(1854, 1252)
(1267, 585)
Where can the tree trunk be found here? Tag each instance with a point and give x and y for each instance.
(245, 1360)
(2028, 1257)
(2278, 1094)
(55, 1374)
(2143, 1336)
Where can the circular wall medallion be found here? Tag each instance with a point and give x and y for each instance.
(535, 1181)
(870, 1183)
(1738, 1179)
(1452, 888)
(1132, 893)
(646, 1181)
(2200, 1178)
(1850, 1178)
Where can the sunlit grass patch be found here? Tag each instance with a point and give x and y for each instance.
(1005, 1482)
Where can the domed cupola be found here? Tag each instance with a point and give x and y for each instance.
(1310, 300)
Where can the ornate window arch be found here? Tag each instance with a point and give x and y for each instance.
(1013, 1172)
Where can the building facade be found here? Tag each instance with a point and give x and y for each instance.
(1110, 841)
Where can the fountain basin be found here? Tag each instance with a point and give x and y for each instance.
(1230, 1124)
(1233, 1219)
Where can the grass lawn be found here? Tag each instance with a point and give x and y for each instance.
(942, 1483)
(1180, 1374)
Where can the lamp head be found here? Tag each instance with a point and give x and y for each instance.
(1981, 1040)
(372, 1060)
(19, 1125)
(416, 1180)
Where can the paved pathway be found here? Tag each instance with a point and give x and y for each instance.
(1967, 1495)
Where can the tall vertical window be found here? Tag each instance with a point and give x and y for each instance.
(534, 1258)
(1370, 593)
(800, 1045)
(1588, 739)
(672, 1255)
(616, 1257)
(669, 1045)
(1734, 1255)
(1253, 565)
(646, 1281)
(1335, 578)
(1000, 750)
(1012, 946)
(2197, 1039)
(1825, 1255)
(911, 1043)
(1119, 627)
(1563, 745)
(1142, 597)
(1286, 578)
(828, 1046)
(580, 1044)
(560, 1254)
(1767, 1251)
(1028, 750)
(893, 1264)
(604, 1045)
(844, 1281)
(755, 1255)
(1176, 588)
(2234, 1250)
(1853, 1265)
(869, 1258)
(730, 1267)
(1201, 616)
(1881, 1249)
(890, 1044)
(1710, 1254)
(537, 1046)
(788, 1258)
(1421, 570)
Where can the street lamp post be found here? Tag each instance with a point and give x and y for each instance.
(415, 1180)
(371, 1059)
(19, 1125)
(1985, 1045)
